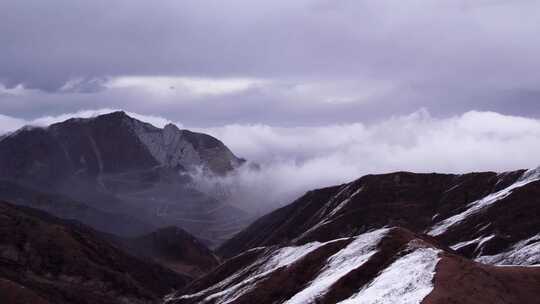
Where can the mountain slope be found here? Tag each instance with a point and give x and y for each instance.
(48, 260)
(390, 238)
(117, 164)
(388, 265)
(67, 208)
(175, 249)
(478, 214)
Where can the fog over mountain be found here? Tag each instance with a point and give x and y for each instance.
(296, 159)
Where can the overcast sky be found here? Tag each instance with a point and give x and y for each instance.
(209, 63)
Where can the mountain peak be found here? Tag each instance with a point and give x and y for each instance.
(119, 113)
(118, 116)
(112, 143)
(171, 128)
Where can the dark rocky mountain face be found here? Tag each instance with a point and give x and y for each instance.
(392, 238)
(108, 144)
(44, 259)
(119, 165)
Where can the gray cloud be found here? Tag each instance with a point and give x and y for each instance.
(319, 57)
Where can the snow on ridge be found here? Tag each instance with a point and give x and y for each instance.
(474, 207)
(354, 255)
(408, 280)
(478, 241)
(326, 214)
(344, 203)
(357, 252)
(523, 253)
(227, 291)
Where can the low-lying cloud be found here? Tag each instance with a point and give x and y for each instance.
(297, 159)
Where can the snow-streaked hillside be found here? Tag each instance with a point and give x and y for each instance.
(383, 266)
(391, 238)
(477, 214)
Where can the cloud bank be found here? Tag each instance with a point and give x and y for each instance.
(297, 159)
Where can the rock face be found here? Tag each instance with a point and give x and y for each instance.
(44, 259)
(392, 238)
(119, 165)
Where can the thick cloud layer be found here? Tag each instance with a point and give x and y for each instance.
(296, 159)
(284, 63)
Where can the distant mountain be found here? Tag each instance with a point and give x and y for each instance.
(107, 144)
(175, 249)
(391, 238)
(120, 165)
(67, 208)
(44, 259)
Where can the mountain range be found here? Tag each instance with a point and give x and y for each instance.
(391, 238)
(105, 210)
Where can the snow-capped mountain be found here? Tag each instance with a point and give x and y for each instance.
(120, 165)
(391, 238)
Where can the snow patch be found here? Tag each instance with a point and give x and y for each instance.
(474, 207)
(226, 291)
(340, 264)
(329, 210)
(406, 281)
(479, 241)
(523, 253)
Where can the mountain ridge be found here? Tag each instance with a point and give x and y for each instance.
(390, 238)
